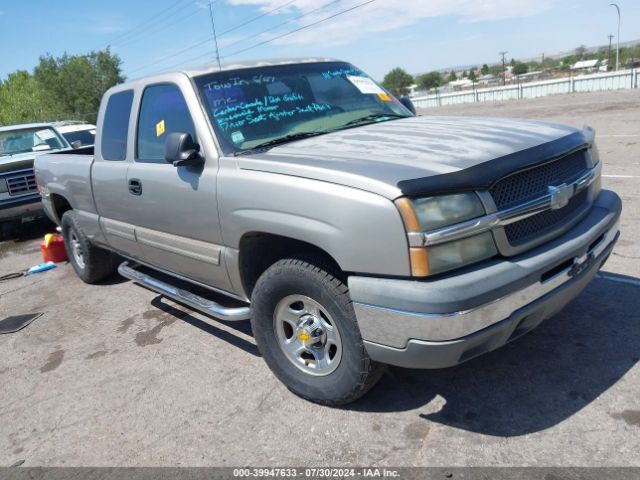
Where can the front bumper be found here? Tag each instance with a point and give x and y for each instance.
(19, 207)
(444, 322)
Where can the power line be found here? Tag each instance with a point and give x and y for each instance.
(203, 41)
(171, 55)
(278, 36)
(215, 37)
(342, 12)
(156, 28)
(504, 69)
(242, 40)
(150, 19)
(609, 54)
(273, 10)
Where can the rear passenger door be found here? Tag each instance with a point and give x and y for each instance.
(176, 212)
(109, 174)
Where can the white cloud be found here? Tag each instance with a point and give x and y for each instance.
(387, 15)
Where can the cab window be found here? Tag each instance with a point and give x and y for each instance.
(163, 110)
(116, 125)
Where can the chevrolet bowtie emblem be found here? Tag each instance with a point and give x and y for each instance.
(560, 195)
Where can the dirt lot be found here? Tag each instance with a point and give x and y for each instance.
(115, 375)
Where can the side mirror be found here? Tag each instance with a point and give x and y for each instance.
(181, 150)
(76, 144)
(408, 104)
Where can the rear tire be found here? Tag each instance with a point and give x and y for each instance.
(306, 330)
(92, 264)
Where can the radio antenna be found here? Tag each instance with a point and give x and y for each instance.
(215, 37)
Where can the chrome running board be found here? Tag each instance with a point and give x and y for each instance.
(208, 307)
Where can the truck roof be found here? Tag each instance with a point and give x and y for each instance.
(213, 67)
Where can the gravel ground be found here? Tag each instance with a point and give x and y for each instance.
(114, 375)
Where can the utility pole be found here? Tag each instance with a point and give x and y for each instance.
(609, 55)
(617, 39)
(504, 69)
(215, 37)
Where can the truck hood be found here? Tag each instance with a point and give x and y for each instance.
(421, 155)
(19, 161)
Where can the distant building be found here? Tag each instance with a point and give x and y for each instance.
(531, 76)
(413, 89)
(488, 79)
(460, 84)
(585, 65)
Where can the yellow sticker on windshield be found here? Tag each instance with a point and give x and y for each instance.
(384, 97)
(159, 128)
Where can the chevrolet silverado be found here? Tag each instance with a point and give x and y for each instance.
(351, 232)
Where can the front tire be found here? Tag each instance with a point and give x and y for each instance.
(306, 330)
(92, 264)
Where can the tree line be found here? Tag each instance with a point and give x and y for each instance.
(69, 87)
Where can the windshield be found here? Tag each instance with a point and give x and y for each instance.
(29, 140)
(260, 107)
(85, 137)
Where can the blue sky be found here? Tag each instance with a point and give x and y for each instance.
(418, 35)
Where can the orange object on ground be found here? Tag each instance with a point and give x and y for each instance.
(52, 248)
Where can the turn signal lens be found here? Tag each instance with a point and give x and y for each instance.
(432, 213)
(419, 261)
(408, 214)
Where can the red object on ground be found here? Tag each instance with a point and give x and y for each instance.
(55, 252)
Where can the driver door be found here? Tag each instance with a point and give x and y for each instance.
(177, 226)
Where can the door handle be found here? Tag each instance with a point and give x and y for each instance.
(135, 186)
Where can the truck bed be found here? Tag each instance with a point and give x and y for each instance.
(68, 174)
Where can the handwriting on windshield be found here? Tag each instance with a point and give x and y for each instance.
(341, 72)
(239, 82)
(268, 108)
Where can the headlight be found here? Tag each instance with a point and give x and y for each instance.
(3, 186)
(436, 212)
(447, 256)
(432, 213)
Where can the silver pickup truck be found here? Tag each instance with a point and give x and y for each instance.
(304, 196)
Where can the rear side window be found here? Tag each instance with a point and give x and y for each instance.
(163, 110)
(116, 125)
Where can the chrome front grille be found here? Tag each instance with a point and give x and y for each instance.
(527, 186)
(533, 227)
(532, 183)
(22, 184)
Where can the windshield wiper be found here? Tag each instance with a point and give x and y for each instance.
(372, 118)
(280, 140)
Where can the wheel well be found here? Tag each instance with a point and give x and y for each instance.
(258, 251)
(60, 205)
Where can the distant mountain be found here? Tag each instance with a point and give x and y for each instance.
(629, 43)
(459, 68)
